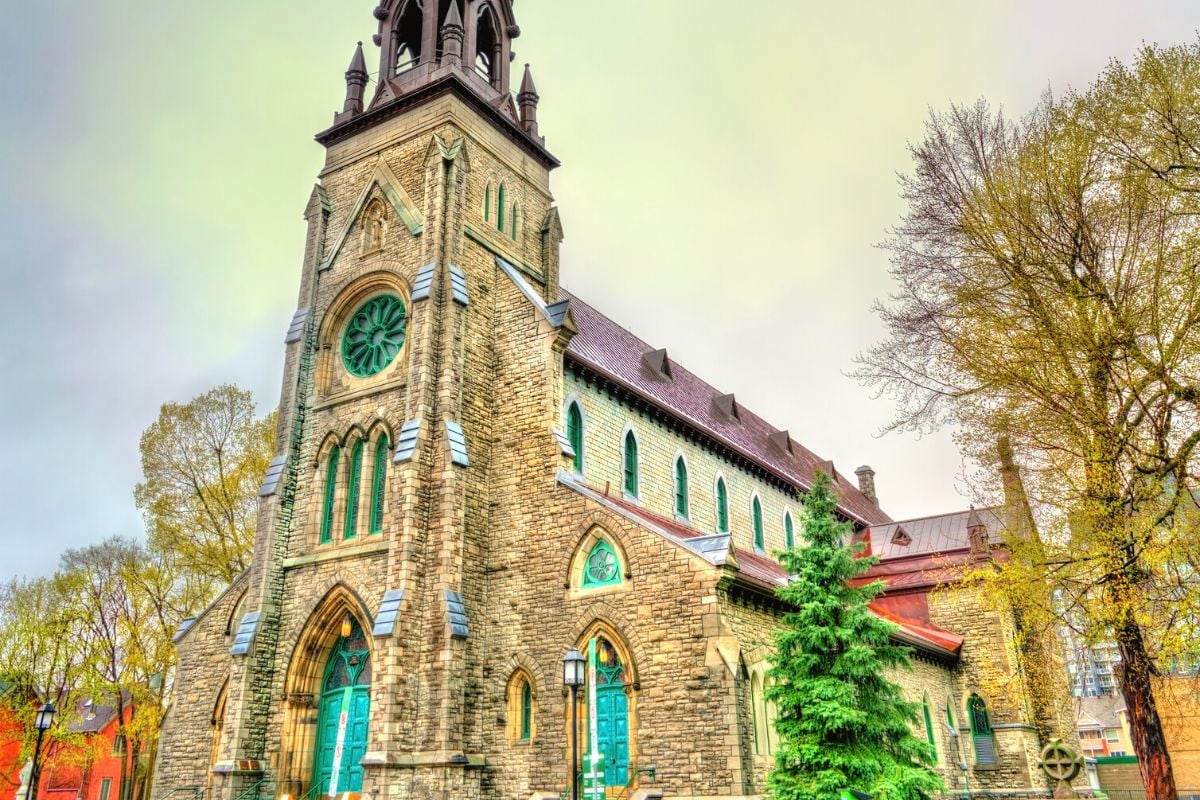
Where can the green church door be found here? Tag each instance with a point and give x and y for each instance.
(612, 715)
(344, 716)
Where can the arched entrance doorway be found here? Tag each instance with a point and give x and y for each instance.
(612, 713)
(344, 715)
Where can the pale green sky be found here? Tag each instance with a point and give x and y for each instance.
(727, 170)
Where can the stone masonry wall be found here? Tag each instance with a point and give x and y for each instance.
(605, 420)
(184, 757)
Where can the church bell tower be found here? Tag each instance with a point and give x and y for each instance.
(360, 654)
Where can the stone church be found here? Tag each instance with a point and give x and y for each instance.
(476, 472)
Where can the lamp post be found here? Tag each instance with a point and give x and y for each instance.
(42, 721)
(573, 677)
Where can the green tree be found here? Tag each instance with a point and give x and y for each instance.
(842, 723)
(122, 614)
(1048, 301)
(203, 463)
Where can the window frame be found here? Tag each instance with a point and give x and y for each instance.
(682, 497)
(383, 449)
(353, 486)
(630, 466)
(329, 500)
(756, 523)
(574, 405)
(721, 499)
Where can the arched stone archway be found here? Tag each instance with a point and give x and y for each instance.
(328, 700)
(612, 733)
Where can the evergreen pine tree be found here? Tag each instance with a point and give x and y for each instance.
(841, 723)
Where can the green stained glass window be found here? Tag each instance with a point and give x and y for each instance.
(929, 728)
(681, 487)
(981, 731)
(512, 228)
(575, 435)
(374, 336)
(500, 208)
(356, 459)
(601, 567)
(487, 203)
(722, 507)
(789, 530)
(756, 515)
(330, 494)
(631, 464)
(378, 483)
(526, 710)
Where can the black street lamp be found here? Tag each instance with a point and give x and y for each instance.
(42, 721)
(573, 677)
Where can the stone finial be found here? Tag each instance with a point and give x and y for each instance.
(452, 37)
(866, 483)
(356, 82)
(527, 99)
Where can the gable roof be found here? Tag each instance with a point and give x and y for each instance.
(756, 570)
(941, 533)
(611, 351)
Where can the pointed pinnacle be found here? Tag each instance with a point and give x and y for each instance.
(453, 17)
(358, 64)
(527, 86)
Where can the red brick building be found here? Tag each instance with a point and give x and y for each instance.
(89, 769)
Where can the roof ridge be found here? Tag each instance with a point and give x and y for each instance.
(793, 461)
(993, 509)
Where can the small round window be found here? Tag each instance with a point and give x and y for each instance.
(374, 336)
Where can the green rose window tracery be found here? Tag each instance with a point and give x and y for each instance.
(601, 567)
(374, 336)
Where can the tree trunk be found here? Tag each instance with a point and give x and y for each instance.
(1149, 742)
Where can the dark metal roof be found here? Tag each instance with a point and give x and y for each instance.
(943, 533)
(614, 352)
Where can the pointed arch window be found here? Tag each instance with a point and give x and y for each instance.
(487, 202)
(379, 483)
(602, 567)
(757, 519)
(512, 228)
(356, 459)
(407, 37)
(722, 507)
(631, 464)
(487, 46)
(331, 471)
(520, 706)
(575, 434)
(981, 731)
(789, 530)
(526, 711)
(929, 732)
(681, 487)
(757, 716)
(500, 207)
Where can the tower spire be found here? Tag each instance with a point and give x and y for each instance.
(527, 99)
(452, 37)
(356, 82)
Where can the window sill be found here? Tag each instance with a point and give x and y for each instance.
(987, 767)
(335, 552)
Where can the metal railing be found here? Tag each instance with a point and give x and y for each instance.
(251, 791)
(649, 772)
(196, 792)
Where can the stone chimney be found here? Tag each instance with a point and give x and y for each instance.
(866, 483)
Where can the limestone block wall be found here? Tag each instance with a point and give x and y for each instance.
(605, 421)
(186, 744)
(989, 667)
